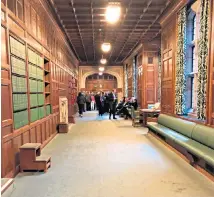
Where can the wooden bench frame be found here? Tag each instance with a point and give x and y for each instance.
(193, 160)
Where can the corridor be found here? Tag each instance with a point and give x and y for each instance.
(103, 158)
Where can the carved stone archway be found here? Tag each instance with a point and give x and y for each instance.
(117, 71)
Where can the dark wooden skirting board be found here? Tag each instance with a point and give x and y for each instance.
(5, 186)
(200, 169)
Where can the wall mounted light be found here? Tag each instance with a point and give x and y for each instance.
(113, 12)
(106, 47)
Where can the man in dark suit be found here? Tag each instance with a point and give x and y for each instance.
(112, 104)
(97, 100)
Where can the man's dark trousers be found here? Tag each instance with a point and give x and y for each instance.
(112, 109)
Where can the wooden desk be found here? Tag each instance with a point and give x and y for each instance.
(146, 112)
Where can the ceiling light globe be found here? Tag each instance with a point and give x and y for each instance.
(106, 47)
(103, 61)
(113, 12)
(101, 69)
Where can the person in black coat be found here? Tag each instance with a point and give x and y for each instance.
(101, 106)
(112, 104)
(81, 103)
(97, 100)
(127, 104)
(119, 106)
(106, 103)
(88, 101)
(135, 104)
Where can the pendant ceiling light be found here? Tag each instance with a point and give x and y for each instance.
(101, 69)
(103, 61)
(113, 12)
(100, 73)
(106, 47)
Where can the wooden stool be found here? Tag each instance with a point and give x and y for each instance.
(63, 128)
(43, 162)
(31, 158)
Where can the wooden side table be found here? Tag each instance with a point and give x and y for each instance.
(146, 112)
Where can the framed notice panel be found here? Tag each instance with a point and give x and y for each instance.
(63, 108)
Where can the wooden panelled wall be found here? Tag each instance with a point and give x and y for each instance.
(168, 66)
(150, 77)
(147, 75)
(140, 80)
(130, 77)
(101, 84)
(168, 48)
(31, 23)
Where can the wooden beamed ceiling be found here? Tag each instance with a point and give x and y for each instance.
(84, 22)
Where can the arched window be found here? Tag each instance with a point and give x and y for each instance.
(194, 27)
(193, 59)
(192, 78)
(191, 67)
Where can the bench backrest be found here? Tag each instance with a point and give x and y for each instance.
(182, 126)
(204, 135)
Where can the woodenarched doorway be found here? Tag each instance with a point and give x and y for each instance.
(98, 82)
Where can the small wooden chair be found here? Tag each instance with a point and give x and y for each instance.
(136, 117)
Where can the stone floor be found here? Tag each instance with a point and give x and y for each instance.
(110, 158)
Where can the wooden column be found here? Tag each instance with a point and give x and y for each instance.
(210, 93)
(148, 74)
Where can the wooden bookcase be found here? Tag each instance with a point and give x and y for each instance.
(36, 87)
(32, 89)
(19, 82)
(47, 85)
(31, 41)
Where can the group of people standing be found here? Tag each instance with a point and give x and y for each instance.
(103, 102)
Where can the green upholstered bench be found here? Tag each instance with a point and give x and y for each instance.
(197, 139)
